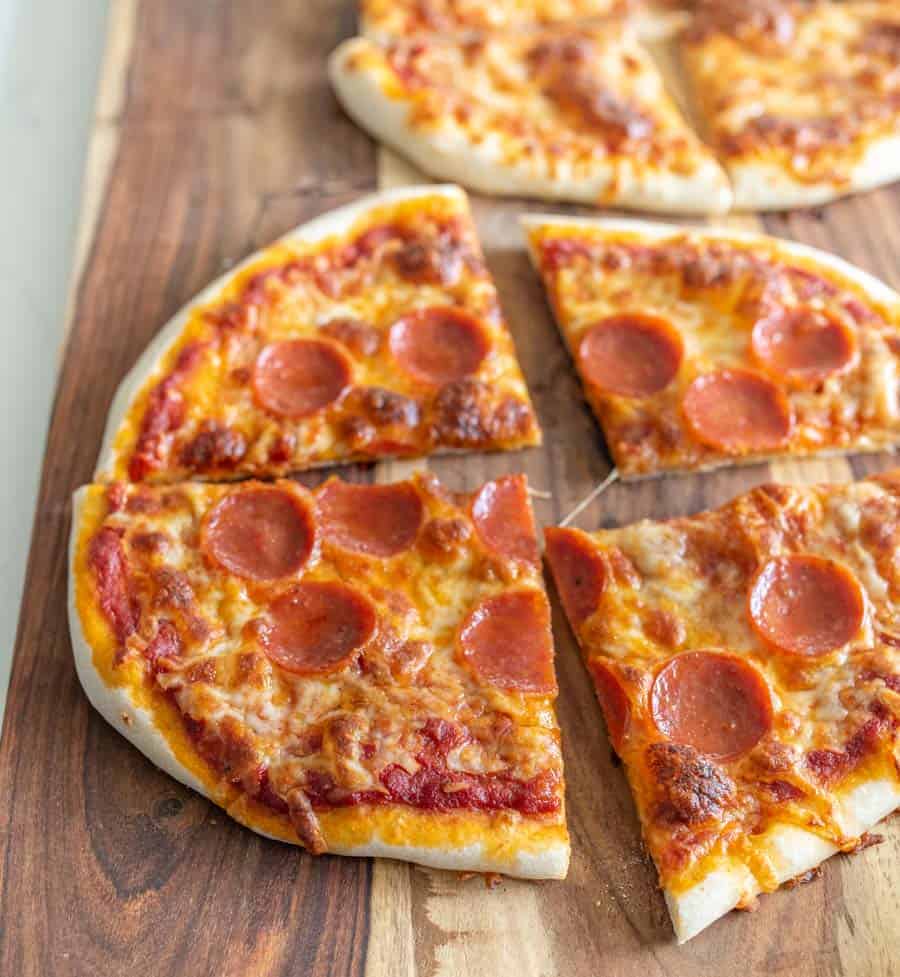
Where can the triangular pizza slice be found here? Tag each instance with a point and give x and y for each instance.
(363, 669)
(704, 347)
(568, 113)
(747, 663)
(371, 332)
(800, 100)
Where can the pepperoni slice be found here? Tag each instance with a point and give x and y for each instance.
(738, 410)
(716, 703)
(803, 344)
(502, 516)
(439, 345)
(806, 605)
(297, 377)
(579, 573)
(507, 642)
(613, 701)
(259, 533)
(631, 355)
(316, 627)
(380, 520)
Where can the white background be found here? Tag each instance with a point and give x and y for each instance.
(50, 56)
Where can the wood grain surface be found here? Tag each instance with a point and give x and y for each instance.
(215, 132)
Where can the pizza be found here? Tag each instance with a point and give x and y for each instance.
(801, 101)
(699, 348)
(363, 669)
(568, 113)
(407, 18)
(747, 661)
(371, 332)
(386, 19)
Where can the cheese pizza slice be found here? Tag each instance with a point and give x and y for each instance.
(801, 101)
(747, 663)
(366, 670)
(371, 332)
(388, 19)
(407, 18)
(700, 347)
(568, 113)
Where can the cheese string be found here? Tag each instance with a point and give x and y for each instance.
(598, 490)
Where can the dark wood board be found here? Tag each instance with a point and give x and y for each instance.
(215, 133)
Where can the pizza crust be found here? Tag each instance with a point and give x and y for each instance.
(447, 154)
(760, 185)
(792, 852)
(139, 727)
(150, 361)
(656, 230)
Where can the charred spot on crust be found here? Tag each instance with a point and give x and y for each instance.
(690, 787)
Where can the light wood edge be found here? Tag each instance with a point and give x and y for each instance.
(103, 143)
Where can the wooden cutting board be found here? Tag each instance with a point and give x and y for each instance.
(215, 132)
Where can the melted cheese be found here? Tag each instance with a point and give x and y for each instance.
(526, 101)
(623, 272)
(287, 723)
(829, 71)
(261, 304)
(699, 570)
(401, 18)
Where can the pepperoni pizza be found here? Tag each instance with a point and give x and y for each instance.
(372, 332)
(747, 663)
(703, 347)
(801, 101)
(569, 113)
(361, 669)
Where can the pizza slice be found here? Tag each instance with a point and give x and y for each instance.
(579, 114)
(747, 663)
(700, 347)
(389, 19)
(366, 670)
(407, 18)
(801, 101)
(374, 331)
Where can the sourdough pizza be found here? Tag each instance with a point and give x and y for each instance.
(374, 331)
(747, 663)
(800, 100)
(361, 669)
(699, 348)
(568, 113)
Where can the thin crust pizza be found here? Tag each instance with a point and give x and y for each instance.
(371, 332)
(410, 18)
(800, 100)
(747, 663)
(699, 348)
(365, 670)
(569, 113)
